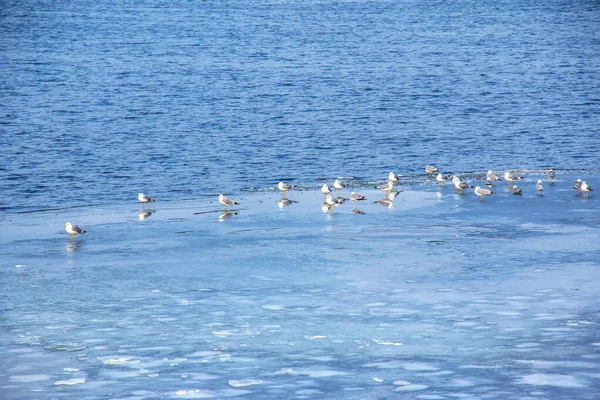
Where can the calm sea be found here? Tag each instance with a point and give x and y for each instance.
(102, 100)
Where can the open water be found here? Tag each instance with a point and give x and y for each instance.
(435, 296)
(102, 100)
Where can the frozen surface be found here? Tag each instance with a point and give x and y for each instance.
(442, 296)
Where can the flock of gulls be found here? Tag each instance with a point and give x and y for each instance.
(389, 190)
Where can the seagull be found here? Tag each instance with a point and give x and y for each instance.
(551, 175)
(490, 176)
(441, 178)
(510, 177)
(356, 197)
(226, 201)
(73, 230)
(145, 199)
(577, 186)
(430, 169)
(585, 188)
(339, 185)
(284, 187)
(460, 185)
(325, 190)
(386, 188)
(392, 178)
(539, 187)
(516, 190)
(482, 192)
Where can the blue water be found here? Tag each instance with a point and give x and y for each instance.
(102, 100)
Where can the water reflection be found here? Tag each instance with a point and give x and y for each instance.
(144, 214)
(358, 212)
(285, 202)
(386, 203)
(72, 246)
(226, 215)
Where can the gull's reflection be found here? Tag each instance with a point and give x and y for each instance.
(326, 208)
(227, 214)
(72, 246)
(358, 212)
(386, 203)
(285, 202)
(143, 214)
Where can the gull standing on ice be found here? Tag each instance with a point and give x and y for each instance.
(460, 185)
(510, 177)
(430, 169)
(325, 190)
(145, 199)
(339, 185)
(284, 187)
(226, 201)
(490, 176)
(386, 188)
(73, 230)
(585, 188)
(392, 178)
(539, 187)
(516, 190)
(482, 192)
(356, 197)
(577, 187)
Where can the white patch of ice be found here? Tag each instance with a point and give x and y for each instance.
(114, 361)
(273, 307)
(68, 370)
(20, 265)
(378, 380)
(315, 337)
(378, 304)
(401, 383)
(411, 388)
(430, 397)
(387, 343)
(69, 382)
(566, 381)
(194, 394)
(244, 382)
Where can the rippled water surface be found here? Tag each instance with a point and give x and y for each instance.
(101, 100)
(434, 295)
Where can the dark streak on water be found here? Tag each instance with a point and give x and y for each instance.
(103, 100)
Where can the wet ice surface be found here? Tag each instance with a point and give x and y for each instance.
(441, 297)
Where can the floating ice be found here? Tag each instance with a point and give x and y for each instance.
(70, 369)
(244, 382)
(566, 381)
(194, 394)
(401, 383)
(20, 265)
(273, 307)
(114, 361)
(378, 380)
(387, 343)
(69, 382)
(411, 388)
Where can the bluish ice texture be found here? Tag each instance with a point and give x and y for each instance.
(442, 296)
